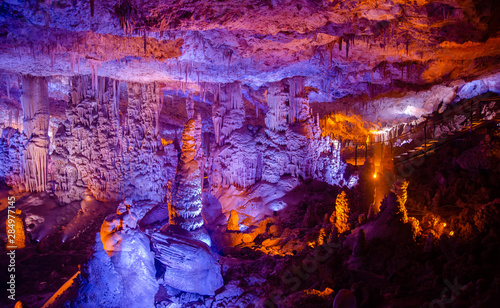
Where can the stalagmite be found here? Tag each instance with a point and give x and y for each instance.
(233, 221)
(295, 99)
(342, 212)
(359, 248)
(186, 203)
(400, 189)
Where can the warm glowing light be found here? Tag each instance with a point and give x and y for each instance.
(444, 224)
(451, 233)
(350, 127)
(166, 142)
(374, 175)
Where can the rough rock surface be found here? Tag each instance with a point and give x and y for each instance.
(185, 210)
(348, 47)
(121, 272)
(96, 148)
(35, 101)
(124, 279)
(190, 266)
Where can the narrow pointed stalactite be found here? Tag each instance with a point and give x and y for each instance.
(329, 48)
(35, 103)
(145, 41)
(94, 65)
(347, 50)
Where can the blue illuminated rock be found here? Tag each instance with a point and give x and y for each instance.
(190, 265)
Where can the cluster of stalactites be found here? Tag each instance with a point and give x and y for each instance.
(228, 113)
(35, 104)
(244, 170)
(276, 117)
(119, 142)
(147, 114)
(287, 108)
(296, 97)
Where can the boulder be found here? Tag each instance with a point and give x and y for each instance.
(190, 265)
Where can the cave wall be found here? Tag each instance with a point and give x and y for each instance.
(110, 142)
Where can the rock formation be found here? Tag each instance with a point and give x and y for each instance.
(121, 272)
(35, 102)
(190, 266)
(185, 210)
(224, 132)
(183, 245)
(111, 154)
(233, 221)
(342, 212)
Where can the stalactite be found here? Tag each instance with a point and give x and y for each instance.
(296, 88)
(92, 2)
(72, 61)
(35, 103)
(276, 117)
(94, 65)
(329, 47)
(8, 86)
(347, 49)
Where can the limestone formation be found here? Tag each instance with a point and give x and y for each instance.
(233, 221)
(35, 102)
(185, 210)
(113, 155)
(342, 212)
(190, 266)
(399, 188)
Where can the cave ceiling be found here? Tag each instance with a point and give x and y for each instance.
(344, 48)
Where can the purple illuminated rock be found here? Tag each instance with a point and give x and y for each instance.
(190, 265)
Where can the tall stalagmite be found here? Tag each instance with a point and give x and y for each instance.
(185, 210)
(342, 212)
(35, 103)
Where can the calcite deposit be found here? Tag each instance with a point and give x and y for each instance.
(278, 153)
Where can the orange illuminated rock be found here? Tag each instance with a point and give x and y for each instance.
(233, 222)
(342, 212)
